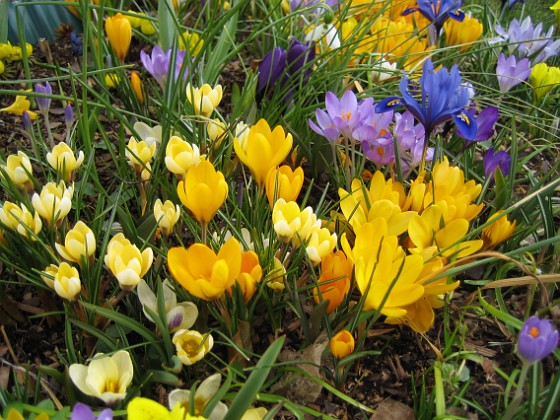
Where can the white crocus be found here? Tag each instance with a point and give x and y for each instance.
(204, 393)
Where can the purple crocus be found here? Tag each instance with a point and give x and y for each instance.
(43, 103)
(440, 97)
(157, 64)
(537, 339)
(343, 117)
(438, 11)
(510, 72)
(68, 114)
(298, 56)
(271, 69)
(493, 160)
(485, 122)
(526, 40)
(410, 140)
(26, 118)
(380, 150)
(83, 412)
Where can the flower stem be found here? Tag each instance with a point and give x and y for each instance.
(516, 401)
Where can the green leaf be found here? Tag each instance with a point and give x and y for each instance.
(167, 32)
(255, 381)
(503, 190)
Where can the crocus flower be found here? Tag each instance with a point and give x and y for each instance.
(203, 191)
(556, 9)
(167, 215)
(106, 377)
(438, 11)
(292, 224)
(119, 32)
(204, 99)
(68, 114)
(136, 84)
(66, 281)
(249, 276)
(263, 149)
(499, 231)
(202, 396)
(79, 244)
(463, 33)
(443, 97)
(511, 72)
(139, 154)
(342, 344)
(83, 412)
(157, 64)
(485, 122)
(525, 40)
(63, 160)
(147, 133)
(543, 78)
(19, 170)
(202, 272)
(537, 339)
(141, 408)
(298, 56)
(493, 160)
(283, 182)
(54, 202)
(180, 156)
(19, 106)
(76, 44)
(192, 346)
(334, 282)
(44, 103)
(271, 69)
(319, 244)
(20, 220)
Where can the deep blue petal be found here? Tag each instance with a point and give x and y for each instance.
(467, 124)
(388, 104)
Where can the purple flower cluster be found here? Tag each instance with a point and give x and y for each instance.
(158, 63)
(511, 72)
(537, 339)
(526, 40)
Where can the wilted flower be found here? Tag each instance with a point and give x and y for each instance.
(203, 273)
(83, 412)
(499, 231)
(204, 99)
(106, 377)
(543, 78)
(179, 315)
(537, 339)
(342, 344)
(19, 170)
(119, 32)
(19, 106)
(63, 160)
(192, 346)
(334, 281)
(525, 40)
(203, 191)
(44, 103)
(180, 156)
(510, 72)
(54, 202)
(126, 262)
(283, 182)
(202, 396)
(443, 97)
(20, 219)
(157, 64)
(493, 160)
(462, 32)
(263, 149)
(167, 215)
(79, 244)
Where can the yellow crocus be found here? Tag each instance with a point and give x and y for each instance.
(202, 396)
(126, 262)
(66, 282)
(202, 272)
(20, 219)
(119, 32)
(180, 156)
(79, 244)
(249, 276)
(63, 160)
(292, 224)
(141, 408)
(54, 202)
(342, 344)
(106, 377)
(263, 149)
(543, 78)
(319, 244)
(283, 182)
(499, 231)
(462, 33)
(203, 191)
(191, 346)
(139, 155)
(204, 99)
(19, 170)
(192, 42)
(136, 84)
(167, 215)
(334, 282)
(19, 106)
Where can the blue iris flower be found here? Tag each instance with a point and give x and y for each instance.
(440, 97)
(437, 11)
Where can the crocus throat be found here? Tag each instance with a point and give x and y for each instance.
(534, 332)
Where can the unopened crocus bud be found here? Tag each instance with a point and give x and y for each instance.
(139, 155)
(67, 283)
(556, 9)
(299, 55)
(20, 220)
(136, 83)
(283, 182)
(342, 344)
(42, 102)
(216, 130)
(499, 231)
(119, 32)
(204, 99)
(126, 262)
(63, 160)
(68, 114)
(167, 215)
(26, 120)
(271, 69)
(493, 160)
(19, 170)
(276, 278)
(79, 244)
(543, 78)
(334, 281)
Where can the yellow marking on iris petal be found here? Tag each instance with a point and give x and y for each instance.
(393, 102)
(534, 332)
(465, 118)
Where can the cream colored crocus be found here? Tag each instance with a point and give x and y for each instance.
(147, 133)
(192, 346)
(202, 396)
(293, 224)
(139, 155)
(277, 276)
(79, 244)
(48, 275)
(167, 215)
(283, 182)
(19, 170)
(216, 130)
(54, 202)
(63, 160)
(126, 262)
(66, 282)
(204, 99)
(178, 315)
(180, 156)
(106, 377)
(20, 219)
(320, 243)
